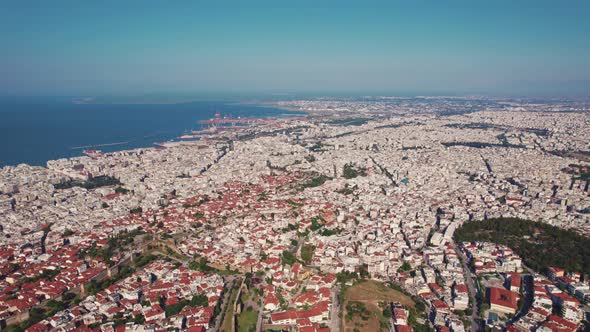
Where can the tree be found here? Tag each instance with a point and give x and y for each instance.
(349, 172)
(386, 312)
(316, 224)
(307, 252)
(121, 190)
(345, 276)
(200, 265)
(55, 305)
(317, 181)
(405, 267)
(139, 319)
(175, 308)
(199, 300)
(288, 258)
(539, 244)
(68, 296)
(364, 271)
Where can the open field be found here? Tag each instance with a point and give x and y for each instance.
(373, 291)
(247, 320)
(371, 320)
(367, 298)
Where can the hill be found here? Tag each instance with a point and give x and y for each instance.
(540, 245)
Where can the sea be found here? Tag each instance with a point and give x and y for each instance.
(34, 130)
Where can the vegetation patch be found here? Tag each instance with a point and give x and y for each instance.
(317, 181)
(307, 251)
(540, 245)
(347, 190)
(482, 145)
(330, 232)
(351, 171)
(121, 190)
(375, 291)
(288, 258)
(228, 315)
(579, 172)
(310, 158)
(92, 183)
(364, 305)
(247, 320)
(355, 308)
(317, 147)
(349, 121)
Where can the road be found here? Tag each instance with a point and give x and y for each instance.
(334, 323)
(229, 281)
(529, 291)
(528, 298)
(472, 291)
(260, 321)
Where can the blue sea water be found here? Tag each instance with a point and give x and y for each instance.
(34, 130)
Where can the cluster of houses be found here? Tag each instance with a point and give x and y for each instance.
(310, 302)
(527, 302)
(399, 318)
(446, 292)
(243, 204)
(492, 258)
(34, 275)
(571, 282)
(139, 302)
(547, 299)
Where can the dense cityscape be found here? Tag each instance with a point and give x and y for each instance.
(365, 214)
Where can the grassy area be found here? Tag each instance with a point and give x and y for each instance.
(365, 317)
(307, 251)
(226, 325)
(348, 121)
(92, 183)
(366, 299)
(374, 291)
(247, 320)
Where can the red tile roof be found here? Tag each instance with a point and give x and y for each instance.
(503, 297)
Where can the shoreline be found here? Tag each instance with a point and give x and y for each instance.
(285, 113)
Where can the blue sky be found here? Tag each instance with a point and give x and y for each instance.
(133, 47)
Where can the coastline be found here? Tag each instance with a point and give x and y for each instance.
(75, 151)
(275, 105)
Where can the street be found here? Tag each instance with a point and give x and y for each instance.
(334, 317)
(472, 291)
(528, 298)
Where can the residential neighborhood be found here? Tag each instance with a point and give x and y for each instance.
(270, 227)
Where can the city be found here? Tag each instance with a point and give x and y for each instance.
(295, 166)
(352, 217)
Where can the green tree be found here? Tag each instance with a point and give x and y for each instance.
(199, 300)
(288, 258)
(307, 251)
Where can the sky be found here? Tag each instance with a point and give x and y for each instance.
(273, 47)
